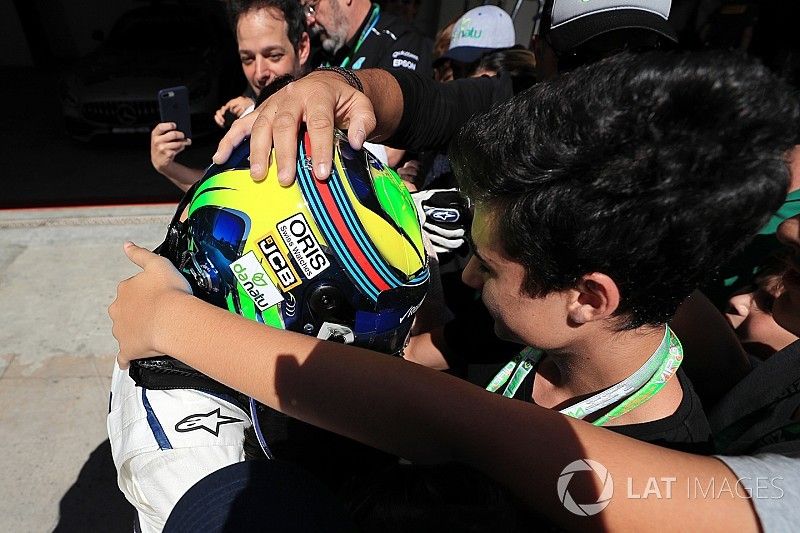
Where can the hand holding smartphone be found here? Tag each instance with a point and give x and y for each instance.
(229, 116)
(173, 106)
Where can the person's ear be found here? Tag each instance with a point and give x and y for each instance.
(595, 297)
(794, 168)
(303, 49)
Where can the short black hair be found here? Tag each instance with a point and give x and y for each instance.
(518, 63)
(651, 168)
(291, 9)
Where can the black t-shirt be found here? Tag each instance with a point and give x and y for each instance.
(687, 429)
(390, 44)
(759, 414)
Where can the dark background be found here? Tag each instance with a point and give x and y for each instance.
(42, 39)
(42, 165)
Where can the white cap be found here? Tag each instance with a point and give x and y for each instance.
(478, 31)
(573, 22)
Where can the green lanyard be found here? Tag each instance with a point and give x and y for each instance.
(373, 20)
(635, 390)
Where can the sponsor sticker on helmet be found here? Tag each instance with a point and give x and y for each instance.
(287, 277)
(290, 307)
(336, 332)
(252, 277)
(304, 247)
(411, 310)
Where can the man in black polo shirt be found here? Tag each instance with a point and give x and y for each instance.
(357, 34)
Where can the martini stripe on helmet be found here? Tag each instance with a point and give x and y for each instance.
(335, 215)
(338, 199)
(358, 231)
(331, 236)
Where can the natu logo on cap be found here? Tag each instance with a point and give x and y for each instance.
(466, 30)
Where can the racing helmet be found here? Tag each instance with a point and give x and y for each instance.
(340, 259)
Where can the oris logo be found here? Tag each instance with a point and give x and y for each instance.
(301, 243)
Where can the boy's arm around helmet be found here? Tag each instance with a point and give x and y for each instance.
(419, 413)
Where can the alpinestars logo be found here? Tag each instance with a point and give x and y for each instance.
(443, 214)
(210, 422)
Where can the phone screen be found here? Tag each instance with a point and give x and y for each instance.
(173, 106)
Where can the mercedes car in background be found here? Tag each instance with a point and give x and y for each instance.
(113, 90)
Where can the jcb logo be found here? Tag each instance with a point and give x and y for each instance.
(280, 266)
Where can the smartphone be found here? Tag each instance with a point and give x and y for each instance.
(228, 117)
(173, 105)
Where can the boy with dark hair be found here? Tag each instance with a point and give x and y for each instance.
(601, 214)
(626, 173)
(636, 177)
(570, 34)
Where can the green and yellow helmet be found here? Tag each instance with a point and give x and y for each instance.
(340, 259)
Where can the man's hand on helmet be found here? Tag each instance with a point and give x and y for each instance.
(323, 100)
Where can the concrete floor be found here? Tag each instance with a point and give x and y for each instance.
(58, 274)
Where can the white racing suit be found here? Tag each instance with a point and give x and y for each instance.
(164, 441)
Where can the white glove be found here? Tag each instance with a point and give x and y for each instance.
(445, 216)
(444, 240)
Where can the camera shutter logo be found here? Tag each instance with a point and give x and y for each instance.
(585, 509)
